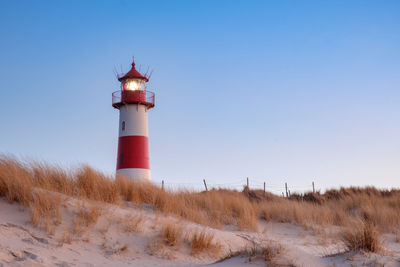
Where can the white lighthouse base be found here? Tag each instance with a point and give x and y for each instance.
(135, 175)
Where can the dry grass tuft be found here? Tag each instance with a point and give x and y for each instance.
(15, 181)
(171, 233)
(362, 236)
(203, 242)
(93, 213)
(270, 252)
(88, 215)
(85, 217)
(95, 185)
(50, 177)
(133, 223)
(45, 210)
(267, 252)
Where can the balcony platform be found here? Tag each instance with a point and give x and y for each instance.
(123, 97)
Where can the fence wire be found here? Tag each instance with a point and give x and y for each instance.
(237, 184)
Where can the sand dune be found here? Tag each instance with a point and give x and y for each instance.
(129, 234)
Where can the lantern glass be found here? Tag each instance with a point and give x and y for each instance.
(133, 84)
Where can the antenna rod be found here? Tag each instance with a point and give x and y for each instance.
(150, 74)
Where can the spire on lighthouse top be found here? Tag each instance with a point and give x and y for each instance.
(133, 74)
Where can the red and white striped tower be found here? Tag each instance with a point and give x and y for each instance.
(133, 102)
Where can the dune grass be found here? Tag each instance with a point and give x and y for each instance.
(203, 241)
(171, 233)
(45, 210)
(362, 236)
(23, 182)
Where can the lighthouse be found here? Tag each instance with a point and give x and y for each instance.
(133, 102)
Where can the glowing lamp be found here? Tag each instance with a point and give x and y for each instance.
(133, 84)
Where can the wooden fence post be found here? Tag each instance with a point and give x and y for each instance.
(264, 189)
(313, 188)
(286, 190)
(205, 185)
(162, 185)
(248, 183)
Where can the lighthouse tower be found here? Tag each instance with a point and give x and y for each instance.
(133, 102)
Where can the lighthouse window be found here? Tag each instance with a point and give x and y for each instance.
(121, 159)
(123, 126)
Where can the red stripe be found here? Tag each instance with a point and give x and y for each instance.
(133, 152)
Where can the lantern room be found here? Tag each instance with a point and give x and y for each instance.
(133, 90)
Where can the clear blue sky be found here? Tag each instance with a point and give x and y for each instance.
(277, 91)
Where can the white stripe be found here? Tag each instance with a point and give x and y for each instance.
(136, 175)
(134, 116)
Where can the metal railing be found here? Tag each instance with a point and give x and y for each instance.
(132, 97)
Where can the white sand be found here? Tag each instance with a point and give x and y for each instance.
(107, 244)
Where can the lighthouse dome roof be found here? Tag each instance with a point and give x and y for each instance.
(133, 74)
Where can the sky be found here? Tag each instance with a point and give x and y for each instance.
(277, 91)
